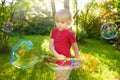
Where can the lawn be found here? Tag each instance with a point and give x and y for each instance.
(107, 56)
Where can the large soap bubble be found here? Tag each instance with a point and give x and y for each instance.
(23, 55)
(7, 27)
(109, 30)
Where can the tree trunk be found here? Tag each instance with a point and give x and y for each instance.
(53, 7)
(76, 15)
(66, 4)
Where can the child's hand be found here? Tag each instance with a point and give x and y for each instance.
(60, 56)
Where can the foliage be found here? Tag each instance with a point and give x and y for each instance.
(89, 21)
(80, 36)
(39, 26)
(28, 17)
(32, 19)
(21, 7)
(92, 26)
(6, 13)
(112, 15)
(117, 5)
(4, 43)
(94, 14)
(89, 62)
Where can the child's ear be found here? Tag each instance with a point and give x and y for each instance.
(70, 23)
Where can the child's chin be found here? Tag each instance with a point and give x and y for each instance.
(60, 29)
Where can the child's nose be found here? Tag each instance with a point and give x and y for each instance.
(59, 23)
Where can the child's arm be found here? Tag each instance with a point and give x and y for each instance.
(75, 48)
(52, 48)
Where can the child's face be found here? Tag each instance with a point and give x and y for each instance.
(61, 25)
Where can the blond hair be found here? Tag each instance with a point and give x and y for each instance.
(64, 15)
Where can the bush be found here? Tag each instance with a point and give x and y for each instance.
(4, 43)
(92, 27)
(80, 36)
(42, 26)
(89, 21)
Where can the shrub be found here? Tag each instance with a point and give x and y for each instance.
(42, 26)
(4, 43)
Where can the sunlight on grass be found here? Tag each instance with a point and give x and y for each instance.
(89, 62)
(106, 55)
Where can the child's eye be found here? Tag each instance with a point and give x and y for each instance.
(62, 22)
(57, 21)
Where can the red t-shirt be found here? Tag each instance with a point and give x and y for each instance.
(63, 41)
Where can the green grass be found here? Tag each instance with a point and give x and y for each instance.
(107, 56)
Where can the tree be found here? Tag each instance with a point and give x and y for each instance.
(53, 7)
(75, 17)
(66, 4)
(6, 15)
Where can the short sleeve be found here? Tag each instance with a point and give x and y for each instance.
(72, 38)
(52, 34)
